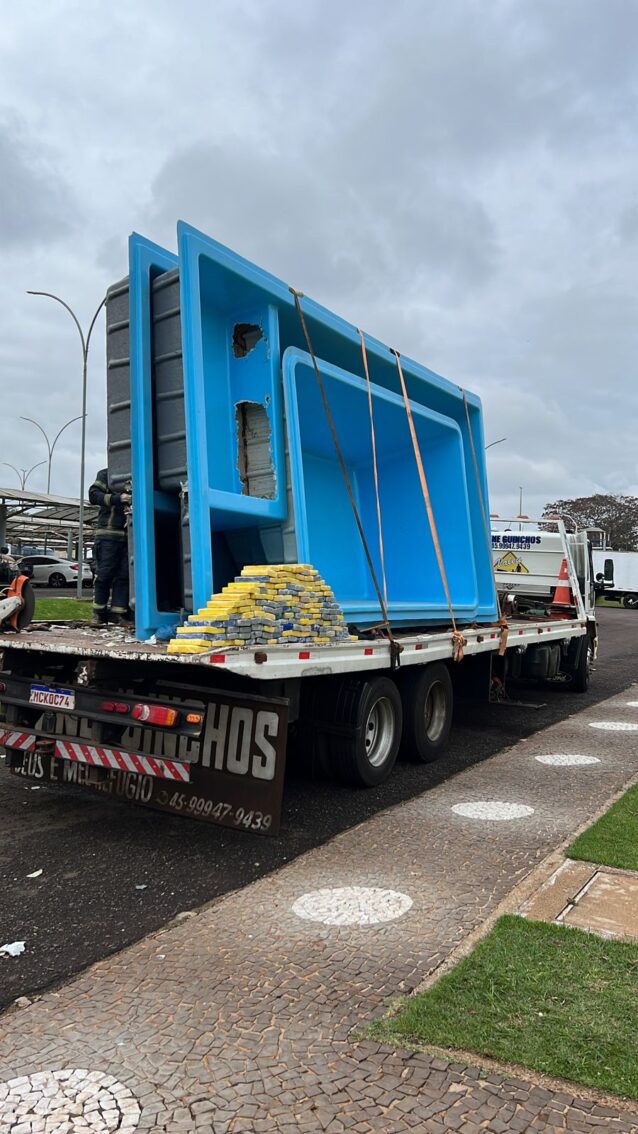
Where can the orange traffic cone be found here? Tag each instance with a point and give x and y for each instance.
(562, 594)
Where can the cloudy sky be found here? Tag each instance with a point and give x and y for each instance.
(460, 178)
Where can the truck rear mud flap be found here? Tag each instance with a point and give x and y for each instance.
(234, 777)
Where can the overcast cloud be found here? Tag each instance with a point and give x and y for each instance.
(459, 178)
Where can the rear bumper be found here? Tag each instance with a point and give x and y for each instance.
(99, 757)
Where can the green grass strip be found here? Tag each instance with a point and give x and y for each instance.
(613, 839)
(63, 609)
(553, 999)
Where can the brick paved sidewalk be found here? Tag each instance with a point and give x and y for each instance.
(241, 1018)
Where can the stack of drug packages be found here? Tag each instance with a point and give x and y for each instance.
(272, 605)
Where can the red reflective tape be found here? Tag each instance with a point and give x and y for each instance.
(217, 657)
(419, 646)
(126, 761)
(20, 740)
(304, 655)
(368, 651)
(63, 749)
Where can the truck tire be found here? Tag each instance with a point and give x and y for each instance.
(428, 702)
(367, 731)
(582, 670)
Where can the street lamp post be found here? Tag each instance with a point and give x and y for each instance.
(85, 354)
(50, 446)
(23, 474)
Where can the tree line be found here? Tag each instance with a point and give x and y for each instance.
(616, 515)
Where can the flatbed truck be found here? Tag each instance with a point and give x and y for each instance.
(205, 735)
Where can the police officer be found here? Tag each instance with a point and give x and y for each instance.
(110, 552)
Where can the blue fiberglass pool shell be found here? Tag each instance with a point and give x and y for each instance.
(146, 261)
(326, 530)
(217, 287)
(232, 368)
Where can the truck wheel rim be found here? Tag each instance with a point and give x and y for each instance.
(379, 731)
(435, 711)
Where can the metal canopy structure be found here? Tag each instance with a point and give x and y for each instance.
(31, 517)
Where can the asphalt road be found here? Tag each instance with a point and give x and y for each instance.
(96, 854)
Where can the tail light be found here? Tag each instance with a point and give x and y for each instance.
(155, 714)
(73, 566)
(114, 707)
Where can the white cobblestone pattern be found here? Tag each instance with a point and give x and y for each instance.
(563, 760)
(352, 905)
(74, 1101)
(614, 726)
(492, 809)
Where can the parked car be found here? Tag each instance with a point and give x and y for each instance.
(51, 571)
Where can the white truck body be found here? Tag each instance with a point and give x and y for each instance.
(620, 573)
(536, 564)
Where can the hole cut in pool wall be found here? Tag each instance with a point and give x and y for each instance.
(254, 451)
(245, 338)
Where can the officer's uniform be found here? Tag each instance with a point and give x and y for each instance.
(110, 551)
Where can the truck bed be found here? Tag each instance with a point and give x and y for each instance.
(295, 660)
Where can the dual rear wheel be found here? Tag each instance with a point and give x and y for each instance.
(374, 718)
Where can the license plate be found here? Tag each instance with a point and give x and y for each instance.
(52, 698)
